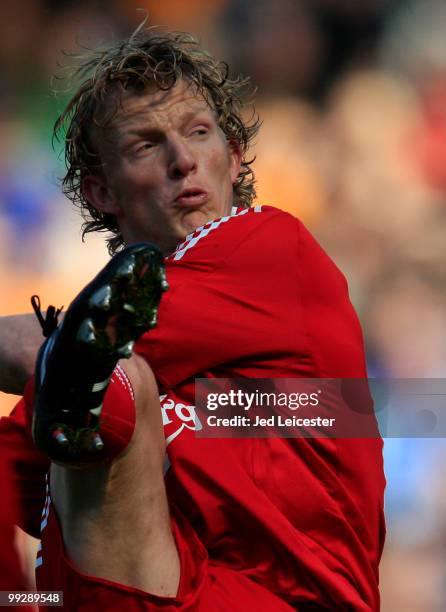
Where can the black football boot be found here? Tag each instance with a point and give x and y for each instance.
(75, 363)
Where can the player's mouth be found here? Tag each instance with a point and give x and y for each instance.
(192, 197)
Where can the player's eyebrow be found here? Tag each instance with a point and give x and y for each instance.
(143, 125)
(192, 114)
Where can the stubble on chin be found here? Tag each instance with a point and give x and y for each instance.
(194, 219)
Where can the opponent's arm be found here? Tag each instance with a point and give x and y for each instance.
(20, 339)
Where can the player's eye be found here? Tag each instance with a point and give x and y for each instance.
(144, 146)
(200, 131)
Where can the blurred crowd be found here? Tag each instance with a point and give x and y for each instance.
(353, 101)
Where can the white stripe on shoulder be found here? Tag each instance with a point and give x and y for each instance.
(192, 239)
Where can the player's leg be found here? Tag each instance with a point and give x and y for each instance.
(115, 518)
(107, 477)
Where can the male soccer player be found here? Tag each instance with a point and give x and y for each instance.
(139, 513)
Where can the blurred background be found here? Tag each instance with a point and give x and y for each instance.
(353, 101)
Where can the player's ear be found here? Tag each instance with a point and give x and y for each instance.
(235, 155)
(99, 195)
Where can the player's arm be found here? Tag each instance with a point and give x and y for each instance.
(20, 339)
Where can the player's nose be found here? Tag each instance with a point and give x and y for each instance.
(181, 158)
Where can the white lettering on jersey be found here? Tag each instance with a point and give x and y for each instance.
(178, 417)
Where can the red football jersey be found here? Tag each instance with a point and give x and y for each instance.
(254, 295)
(11, 572)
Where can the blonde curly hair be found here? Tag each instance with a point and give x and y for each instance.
(149, 56)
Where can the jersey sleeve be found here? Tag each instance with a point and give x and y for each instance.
(26, 465)
(227, 302)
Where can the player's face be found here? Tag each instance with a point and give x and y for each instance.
(168, 167)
